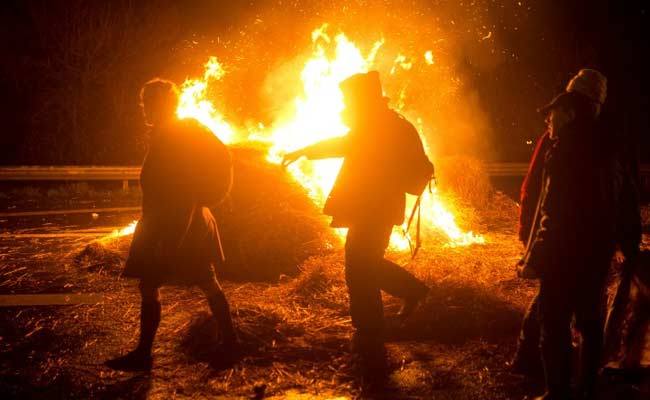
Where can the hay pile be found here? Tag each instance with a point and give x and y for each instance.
(466, 178)
(465, 186)
(268, 225)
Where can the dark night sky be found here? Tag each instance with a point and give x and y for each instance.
(71, 69)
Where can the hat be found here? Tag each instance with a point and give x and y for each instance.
(589, 83)
(563, 100)
(365, 87)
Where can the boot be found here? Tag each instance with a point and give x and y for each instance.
(410, 304)
(370, 354)
(134, 361)
(528, 358)
(140, 359)
(221, 312)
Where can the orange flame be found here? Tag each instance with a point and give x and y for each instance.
(194, 102)
(127, 230)
(318, 109)
(316, 116)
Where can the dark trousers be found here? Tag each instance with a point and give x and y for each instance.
(528, 352)
(628, 315)
(150, 311)
(574, 289)
(367, 273)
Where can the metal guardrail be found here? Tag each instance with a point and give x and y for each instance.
(71, 173)
(506, 169)
(132, 173)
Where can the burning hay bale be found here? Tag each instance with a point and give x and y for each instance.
(269, 225)
(465, 185)
(465, 178)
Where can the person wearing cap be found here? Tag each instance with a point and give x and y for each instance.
(368, 199)
(176, 241)
(573, 236)
(527, 359)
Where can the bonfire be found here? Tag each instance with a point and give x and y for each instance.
(316, 116)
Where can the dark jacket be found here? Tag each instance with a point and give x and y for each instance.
(368, 188)
(577, 208)
(186, 170)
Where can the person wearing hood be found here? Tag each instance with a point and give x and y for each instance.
(368, 198)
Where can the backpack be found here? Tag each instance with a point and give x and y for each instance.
(415, 168)
(416, 172)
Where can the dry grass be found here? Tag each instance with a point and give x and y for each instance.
(465, 178)
(269, 225)
(465, 188)
(295, 331)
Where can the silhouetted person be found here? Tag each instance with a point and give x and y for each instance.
(368, 198)
(527, 360)
(575, 234)
(176, 241)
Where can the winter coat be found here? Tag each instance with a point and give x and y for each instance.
(177, 241)
(531, 188)
(368, 188)
(576, 213)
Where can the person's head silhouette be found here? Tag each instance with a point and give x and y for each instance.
(159, 100)
(362, 97)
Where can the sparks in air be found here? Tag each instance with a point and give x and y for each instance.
(315, 116)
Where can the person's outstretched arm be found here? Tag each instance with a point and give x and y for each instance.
(328, 148)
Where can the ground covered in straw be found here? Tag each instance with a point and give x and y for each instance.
(289, 304)
(295, 332)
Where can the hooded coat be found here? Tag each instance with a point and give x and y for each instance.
(370, 186)
(177, 240)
